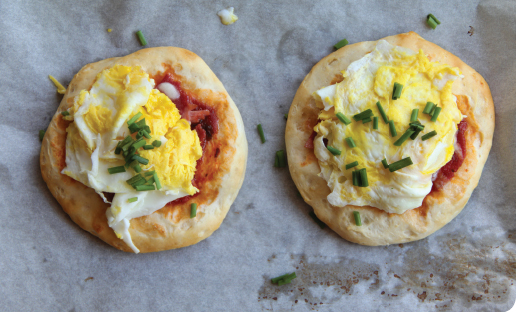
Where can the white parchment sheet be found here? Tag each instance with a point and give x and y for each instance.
(47, 263)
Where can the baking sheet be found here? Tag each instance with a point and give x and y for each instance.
(47, 263)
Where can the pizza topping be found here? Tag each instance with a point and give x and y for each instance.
(341, 44)
(345, 120)
(280, 161)
(375, 123)
(333, 150)
(432, 21)
(143, 42)
(193, 210)
(351, 165)
(260, 132)
(358, 221)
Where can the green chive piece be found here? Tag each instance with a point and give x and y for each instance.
(146, 134)
(428, 108)
(135, 117)
(375, 123)
(431, 22)
(382, 112)
(260, 132)
(363, 177)
(413, 117)
(415, 126)
(385, 164)
(404, 137)
(282, 160)
(428, 135)
(351, 165)
(156, 180)
(147, 128)
(316, 220)
(396, 92)
(133, 128)
(149, 173)
(141, 123)
(148, 147)
(358, 221)
(363, 115)
(366, 120)
(284, 279)
(193, 210)
(435, 19)
(145, 187)
(432, 112)
(41, 134)
(130, 153)
(355, 178)
(141, 160)
(150, 181)
(143, 42)
(415, 134)
(333, 150)
(137, 168)
(286, 116)
(341, 44)
(392, 128)
(132, 199)
(126, 146)
(134, 179)
(350, 142)
(139, 143)
(436, 114)
(65, 113)
(118, 150)
(358, 177)
(114, 170)
(400, 164)
(345, 120)
(130, 163)
(156, 143)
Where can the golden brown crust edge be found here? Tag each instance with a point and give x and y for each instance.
(158, 231)
(379, 227)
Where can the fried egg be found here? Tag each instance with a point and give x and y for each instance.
(100, 118)
(367, 81)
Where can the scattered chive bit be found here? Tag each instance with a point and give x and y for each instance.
(355, 178)
(392, 128)
(400, 164)
(396, 91)
(149, 173)
(137, 168)
(133, 128)
(363, 115)
(435, 18)
(143, 42)
(65, 113)
(260, 132)
(118, 169)
(432, 21)
(156, 180)
(141, 160)
(41, 134)
(59, 86)
(385, 164)
(146, 134)
(358, 221)
(134, 179)
(135, 117)
(148, 147)
(350, 142)
(341, 44)
(413, 116)
(156, 143)
(345, 120)
(139, 143)
(435, 114)
(428, 135)
(428, 108)
(363, 177)
(145, 187)
(316, 220)
(193, 210)
(132, 199)
(358, 178)
(351, 165)
(109, 30)
(415, 134)
(333, 150)
(283, 279)
(280, 161)
(404, 137)
(286, 116)
(375, 123)
(433, 110)
(382, 112)
(366, 120)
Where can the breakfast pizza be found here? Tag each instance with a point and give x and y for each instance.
(146, 151)
(386, 140)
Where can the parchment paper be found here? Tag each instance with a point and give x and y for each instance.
(47, 263)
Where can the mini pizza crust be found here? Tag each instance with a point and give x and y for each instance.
(171, 226)
(439, 207)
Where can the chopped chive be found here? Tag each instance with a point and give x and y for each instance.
(134, 179)
(139, 143)
(415, 134)
(156, 143)
(282, 161)
(118, 169)
(139, 135)
(428, 135)
(355, 178)
(143, 42)
(135, 117)
(382, 112)
(350, 142)
(286, 116)
(118, 150)
(435, 19)
(385, 164)
(146, 134)
(363, 177)
(150, 181)
(137, 168)
(400, 164)
(392, 128)
(366, 120)
(435, 114)
(193, 210)
(358, 221)
(260, 132)
(41, 134)
(396, 91)
(319, 222)
(156, 180)
(141, 160)
(149, 173)
(404, 137)
(351, 165)
(130, 155)
(275, 280)
(358, 178)
(341, 44)
(345, 120)
(284, 279)
(333, 150)
(133, 128)
(413, 117)
(375, 123)
(145, 187)
(65, 113)
(148, 147)
(431, 22)
(415, 126)
(126, 146)
(130, 163)
(141, 123)
(428, 108)
(132, 199)
(147, 128)
(363, 115)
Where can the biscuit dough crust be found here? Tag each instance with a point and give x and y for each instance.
(223, 168)
(439, 207)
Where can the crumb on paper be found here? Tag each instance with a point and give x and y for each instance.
(471, 31)
(109, 30)
(89, 278)
(227, 17)
(59, 86)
